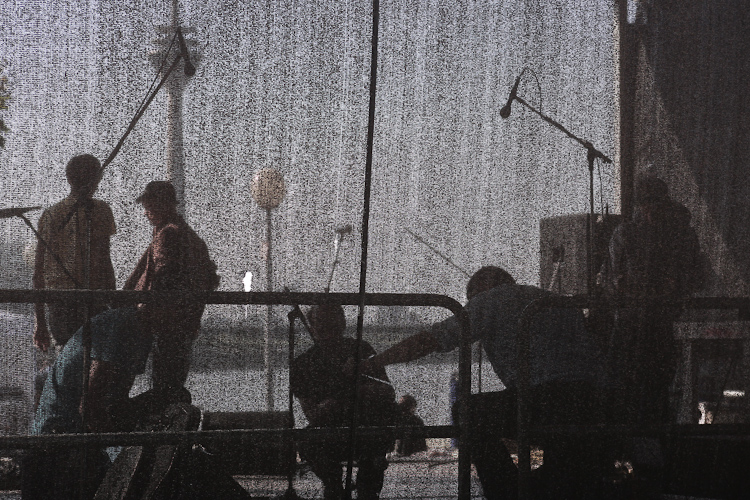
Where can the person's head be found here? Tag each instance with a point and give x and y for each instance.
(650, 190)
(651, 196)
(83, 173)
(327, 321)
(487, 278)
(159, 201)
(408, 403)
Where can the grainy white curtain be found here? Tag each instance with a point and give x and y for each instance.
(284, 84)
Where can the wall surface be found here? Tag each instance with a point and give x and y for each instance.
(692, 123)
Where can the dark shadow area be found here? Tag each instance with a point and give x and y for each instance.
(692, 121)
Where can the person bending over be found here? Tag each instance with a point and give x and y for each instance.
(566, 365)
(119, 349)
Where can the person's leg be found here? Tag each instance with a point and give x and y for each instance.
(655, 370)
(171, 362)
(48, 475)
(574, 464)
(325, 463)
(64, 320)
(491, 418)
(372, 465)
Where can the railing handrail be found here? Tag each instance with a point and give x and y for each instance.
(233, 298)
(121, 297)
(205, 437)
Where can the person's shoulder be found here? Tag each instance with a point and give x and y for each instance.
(509, 291)
(678, 213)
(101, 205)
(352, 341)
(58, 209)
(506, 298)
(367, 349)
(179, 228)
(306, 357)
(169, 232)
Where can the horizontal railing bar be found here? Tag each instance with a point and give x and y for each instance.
(279, 298)
(264, 436)
(372, 299)
(741, 304)
(214, 436)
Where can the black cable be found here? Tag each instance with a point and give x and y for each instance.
(538, 85)
(365, 240)
(601, 185)
(158, 72)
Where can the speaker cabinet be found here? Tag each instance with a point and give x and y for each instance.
(245, 457)
(563, 249)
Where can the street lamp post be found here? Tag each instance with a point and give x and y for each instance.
(268, 191)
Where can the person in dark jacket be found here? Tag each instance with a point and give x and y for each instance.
(326, 394)
(654, 257)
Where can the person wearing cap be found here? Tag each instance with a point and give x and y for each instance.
(565, 385)
(177, 259)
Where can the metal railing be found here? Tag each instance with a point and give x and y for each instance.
(120, 298)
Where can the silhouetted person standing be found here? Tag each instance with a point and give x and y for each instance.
(655, 256)
(176, 260)
(65, 235)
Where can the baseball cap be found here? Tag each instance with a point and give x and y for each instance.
(158, 191)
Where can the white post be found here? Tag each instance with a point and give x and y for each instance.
(269, 309)
(175, 155)
(268, 190)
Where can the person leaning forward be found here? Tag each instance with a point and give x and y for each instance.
(119, 349)
(176, 259)
(566, 365)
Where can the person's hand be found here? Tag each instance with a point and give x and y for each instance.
(41, 336)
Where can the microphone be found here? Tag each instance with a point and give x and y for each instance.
(6, 213)
(189, 68)
(505, 110)
(344, 229)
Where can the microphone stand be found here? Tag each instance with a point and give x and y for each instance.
(591, 154)
(336, 247)
(46, 245)
(290, 493)
(438, 253)
(524, 460)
